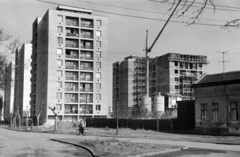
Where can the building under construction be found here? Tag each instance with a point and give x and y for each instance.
(128, 85)
(174, 73)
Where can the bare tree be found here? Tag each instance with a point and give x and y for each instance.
(55, 114)
(39, 115)
(26, 113)
(197, 8)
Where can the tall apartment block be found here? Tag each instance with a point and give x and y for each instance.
(128, 85)
(174, 73)
(9, 93)
(69, 65)
(22, 78)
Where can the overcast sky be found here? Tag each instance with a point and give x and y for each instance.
(127, 34)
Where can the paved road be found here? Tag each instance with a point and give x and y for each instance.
(23, 144)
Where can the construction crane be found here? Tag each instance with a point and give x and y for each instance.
(147, 50)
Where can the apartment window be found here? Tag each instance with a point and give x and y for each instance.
(98, 107)
(98, 54)
(98, 64)
(99, 23)
(176, 79)
(98, 75)
(59, 95)
(203, 112)
(59, 51)
(60, 18)
(60, 40)
(59, 84)
(176, 63)
(98, 43)
(98, 96)
(176, 71)
(59, 73)
(60, 29)
(98, 33)
(200, 65)
(59, 106)
(176, 86)
(59, 62)
(215, 110)
(233, 111)
(98, 86)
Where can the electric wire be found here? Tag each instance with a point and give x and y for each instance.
(133, 16)
(196, 6)
(140, 10)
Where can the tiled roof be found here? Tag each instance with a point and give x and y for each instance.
(220, 77)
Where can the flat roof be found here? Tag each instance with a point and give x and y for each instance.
(60, 7)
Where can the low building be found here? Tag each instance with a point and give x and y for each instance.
(217, 99)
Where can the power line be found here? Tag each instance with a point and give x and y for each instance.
(140, 17)
(199, 6)
(141, 10)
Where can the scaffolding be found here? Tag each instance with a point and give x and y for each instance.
(139, 82)
(186, 81)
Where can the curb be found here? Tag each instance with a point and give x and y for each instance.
(160, 152)
(141, 155)
(77, 145)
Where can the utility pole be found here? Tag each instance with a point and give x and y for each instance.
(117, 118)
(223, 61)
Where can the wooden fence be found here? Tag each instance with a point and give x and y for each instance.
(168, 125)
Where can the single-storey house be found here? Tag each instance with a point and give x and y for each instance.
(217, 103)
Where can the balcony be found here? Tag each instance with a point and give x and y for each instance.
(71, 89)
(86, 68)
(72, 78)
(87, 24)
(86, 57)
(70, 109)
(72, 34)
(72, 45)
(72, 56)
(74, 67)
(86, 90)
(83, 100)
(86, 79)
(86, 46)
(72, 21)
(87, 36)
(71, 100)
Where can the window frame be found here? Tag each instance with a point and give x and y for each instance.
(215, 112)
(204, 112)
(236, 117)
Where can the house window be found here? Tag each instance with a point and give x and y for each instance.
(98, 43)
(98, 65)
(98, 75)
(99, 22)
(59, 51)
(59, 62)
(98, 33)
(233, 111)
(98, 96)
(203, 112)
(98, 54)
(59, 95)
(98, 86)
(59, 106)
(60, 29)
(59, 73)
(215, 111)
(98, 107)
(60, 40)
(59, 84)
(60, 18)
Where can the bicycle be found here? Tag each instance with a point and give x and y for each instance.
(80, 131)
